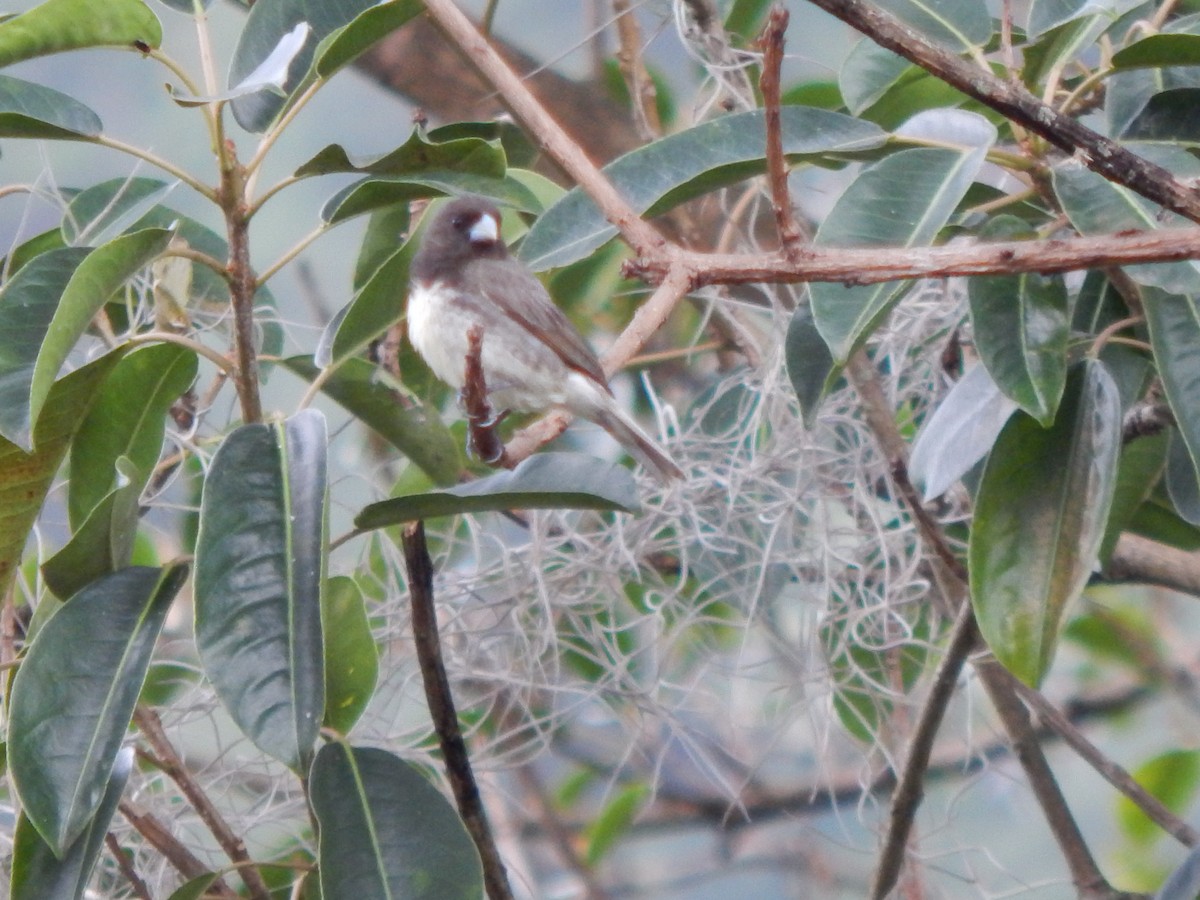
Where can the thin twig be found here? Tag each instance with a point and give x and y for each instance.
(559, 835)
(643, 96)
(910, 788)
(166, 758)
(125, 864)
(1109, 770)
(160, 838)
(771, 41)
(442, 711)
(1084, 872)
(242, 284)
(1014, 102)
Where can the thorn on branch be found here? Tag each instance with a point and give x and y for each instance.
(771, 40)
(482, 439)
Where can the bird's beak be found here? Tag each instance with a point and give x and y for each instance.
(484, 231)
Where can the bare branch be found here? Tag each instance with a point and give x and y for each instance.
(790, 234)
(442, 711)
(481, 423)
(160, 838)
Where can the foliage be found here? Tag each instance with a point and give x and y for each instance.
(136, 341)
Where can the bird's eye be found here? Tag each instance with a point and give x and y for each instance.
(461, 221)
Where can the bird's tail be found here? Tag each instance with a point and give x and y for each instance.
(613, 420)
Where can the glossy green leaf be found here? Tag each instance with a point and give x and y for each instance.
(260, 570)
(868, 72)
(1020, 325)
(415, 431)
(901, 201)
(376, 193)
(96, 213)
(1040, 515)
(1180, 480)
(1172, 777)
(1047, 14)
(32, 111)
(103, 542)
(37, 874)
(1141, 466)
(1155, 520)
(1159, 50)
(351, 657)
(346, 44)
(1174, 323)
(385, 832)
(809, 363)
(26, 477)
(1096, 205)
(386, 230)
(960, 24)
(665, 173)
(377, 305)
(128, 419)
(1168, 116)
(33, 248)
(959, 433)
(1058, 45)
(45, 308)
(416, 155)
(194, 888)
(55, 26)
(543, 481)
(614, 821)
(70, 709)
(1098, 306)
(268, 23)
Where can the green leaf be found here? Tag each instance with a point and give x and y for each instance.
(31, 111)
(1141, 467)
(415, 156)
(543, 481)
(693, 162)
(186, 6)
(901, 201)
(128, 419)
(1180, 480)
(960, 24)
(1020, 324)
(260, 570)
(809, 363)
(745, 17)
(70, 709)
(97, 213)
(1168, 116)
(386, 230)
(1175, 336)
(1047, 14)
(46, 307)
(351, 657)
(346, 44)
(1098, 306)
(961, 432)
(1039, 520)
(1173, 778)
(37, 874)
(194, 888)
(385, 832)
(268, 23)
(1159, 50)
(613, 821)
(415, 431)
(375, 193)
(1096, 205)
(103, 542)
(868, 73)
(26, 477)
(55, 26)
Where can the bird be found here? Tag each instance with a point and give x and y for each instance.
(462, 277)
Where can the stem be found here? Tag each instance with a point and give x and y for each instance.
(158, 162)
(790, 234)
(441, 708)
(242, 283)
(169, 337)
(269, 139)
(294, 251)
(159, 837)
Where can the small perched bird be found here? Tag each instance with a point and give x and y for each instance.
(533, 358)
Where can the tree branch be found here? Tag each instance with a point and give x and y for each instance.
(1014, 102)
(441, 709)
(790, 234)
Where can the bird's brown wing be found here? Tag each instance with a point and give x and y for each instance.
(521, 297)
